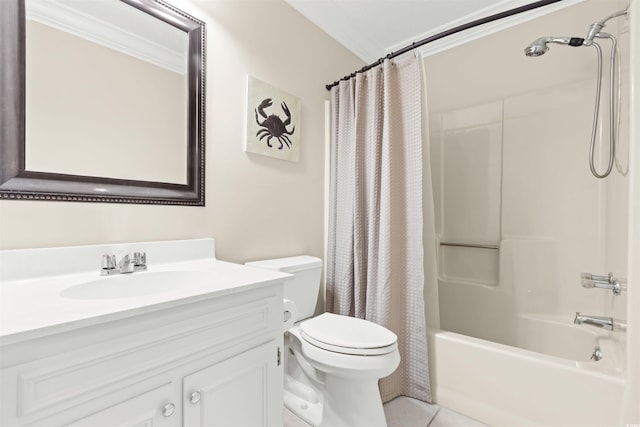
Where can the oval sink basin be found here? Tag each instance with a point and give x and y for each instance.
(137, 284)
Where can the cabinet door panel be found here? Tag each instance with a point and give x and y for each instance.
(238, 392)
(145, 410)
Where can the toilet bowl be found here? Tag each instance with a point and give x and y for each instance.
(332, 362)
(345, 375)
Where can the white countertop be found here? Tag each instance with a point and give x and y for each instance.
(36, 306)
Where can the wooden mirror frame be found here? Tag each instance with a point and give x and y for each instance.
(17, 183)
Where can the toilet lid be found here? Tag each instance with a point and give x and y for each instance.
(348, 335)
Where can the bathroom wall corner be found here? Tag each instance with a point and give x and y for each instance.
(631, 404)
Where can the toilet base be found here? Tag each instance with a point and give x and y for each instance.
(352, 402)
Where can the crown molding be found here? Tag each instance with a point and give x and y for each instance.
(87, 26)
(486, 29)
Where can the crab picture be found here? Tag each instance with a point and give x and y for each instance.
(272, 126)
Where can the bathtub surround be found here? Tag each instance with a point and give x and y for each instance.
(375, 251)
(528, 181)
(510, 155)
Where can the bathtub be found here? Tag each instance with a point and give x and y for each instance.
(514, 357)
(548, 380)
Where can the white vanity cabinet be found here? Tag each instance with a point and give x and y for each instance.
(234, 392)
(142, 410)
(208, 362)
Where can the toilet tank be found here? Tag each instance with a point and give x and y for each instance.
(303, 288)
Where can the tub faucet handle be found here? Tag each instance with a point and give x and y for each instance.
(614, 284)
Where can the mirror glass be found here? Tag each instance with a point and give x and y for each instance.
(113, 102)
(106, 84)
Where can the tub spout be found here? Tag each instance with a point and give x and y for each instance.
(599, 322)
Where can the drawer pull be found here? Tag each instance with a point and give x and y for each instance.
(168, 409)
(195, 397)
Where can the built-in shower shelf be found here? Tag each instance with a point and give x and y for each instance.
(470, 245)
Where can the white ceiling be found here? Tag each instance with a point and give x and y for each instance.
(373, 28)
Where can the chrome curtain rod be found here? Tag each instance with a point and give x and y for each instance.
(446, 33)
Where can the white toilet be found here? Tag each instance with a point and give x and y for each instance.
(332, 362)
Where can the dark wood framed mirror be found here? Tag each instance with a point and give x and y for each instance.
(109, 110)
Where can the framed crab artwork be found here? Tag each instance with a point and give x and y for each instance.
(273, 121)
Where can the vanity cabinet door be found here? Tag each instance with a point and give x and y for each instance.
(159, 407)
(243, 391)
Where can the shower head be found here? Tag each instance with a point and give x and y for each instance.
(539, 46)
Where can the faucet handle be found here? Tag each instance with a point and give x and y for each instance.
(108, 262)
(109, 266)
(593, 277)
(139, 260)
(614, 284)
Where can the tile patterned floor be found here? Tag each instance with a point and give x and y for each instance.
(407, 412)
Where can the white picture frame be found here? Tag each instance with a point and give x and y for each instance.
(273, 121)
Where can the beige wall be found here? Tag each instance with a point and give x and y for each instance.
(255, 206)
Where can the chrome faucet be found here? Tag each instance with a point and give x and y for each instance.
(135, 261)
(603, 322)
(614, 284)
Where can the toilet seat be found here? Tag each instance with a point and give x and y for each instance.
(348, 335)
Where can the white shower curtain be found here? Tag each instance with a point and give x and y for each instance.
(375, 253)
